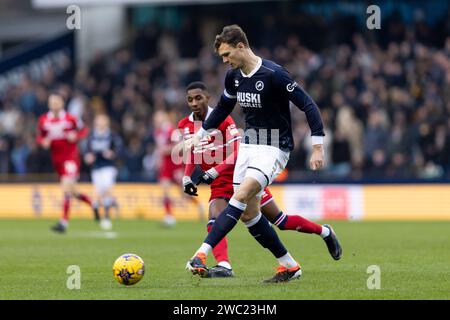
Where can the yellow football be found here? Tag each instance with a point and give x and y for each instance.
(128, 269)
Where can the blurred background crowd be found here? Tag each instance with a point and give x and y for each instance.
(384, 94)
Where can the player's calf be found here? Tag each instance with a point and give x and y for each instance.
(295, 222)
(225, 222)
(260, 228)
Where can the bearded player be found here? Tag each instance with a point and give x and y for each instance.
(60, 132)
(220, 177)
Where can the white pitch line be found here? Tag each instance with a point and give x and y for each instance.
(110, 235)
(95, 234)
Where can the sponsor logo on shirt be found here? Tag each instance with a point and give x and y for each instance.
(291, 86)
(249, 100)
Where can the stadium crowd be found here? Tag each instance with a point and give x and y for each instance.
(385, 102)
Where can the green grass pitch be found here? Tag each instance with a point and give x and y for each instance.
(413, 257)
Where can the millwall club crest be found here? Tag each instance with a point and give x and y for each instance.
(259, 85)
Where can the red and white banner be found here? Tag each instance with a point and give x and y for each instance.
(325, 202)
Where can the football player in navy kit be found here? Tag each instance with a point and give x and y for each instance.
(103, 148)
(263, 89)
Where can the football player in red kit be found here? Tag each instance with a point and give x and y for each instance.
(169, 172)
(60, 132)
(220, 176)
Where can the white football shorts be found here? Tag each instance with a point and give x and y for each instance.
(103, 178)
(261, 162)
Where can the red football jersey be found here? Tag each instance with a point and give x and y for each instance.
(213, 148)
(56, 128)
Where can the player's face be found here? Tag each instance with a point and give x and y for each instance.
(231, 55)
(198, 102)
(55, 103)
(101, 123)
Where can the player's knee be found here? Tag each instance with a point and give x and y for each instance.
(245, 193)
(246, 217)
(244, 196)
(241, 196)
(69, 190)
(250, 213)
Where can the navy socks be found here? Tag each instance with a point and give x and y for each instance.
(225, 222)
(262, 231)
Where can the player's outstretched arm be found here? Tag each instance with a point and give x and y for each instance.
(221, 111)
(231, 138)
(232, 145)
(219, 114)
(304, 102)
(229, 162)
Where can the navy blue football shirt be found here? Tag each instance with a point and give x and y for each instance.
(98, 143)
(264, 96)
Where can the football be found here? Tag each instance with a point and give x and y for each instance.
(128, 269)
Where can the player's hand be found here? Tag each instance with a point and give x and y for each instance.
(46, 142)
(190, 143)
(89, 158)
(71, 136)
(207, 176)
(317, 157)
(108, 154)
(189, 186)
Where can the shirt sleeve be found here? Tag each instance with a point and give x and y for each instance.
(224, 107)
(230, 90)
(295, 93)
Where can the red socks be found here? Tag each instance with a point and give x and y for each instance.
(84, 198)
(220, 251)
(168, 205)
(66, 208)
(295, 222)
(66, 204)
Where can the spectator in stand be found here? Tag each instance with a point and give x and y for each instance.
(388, 99)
